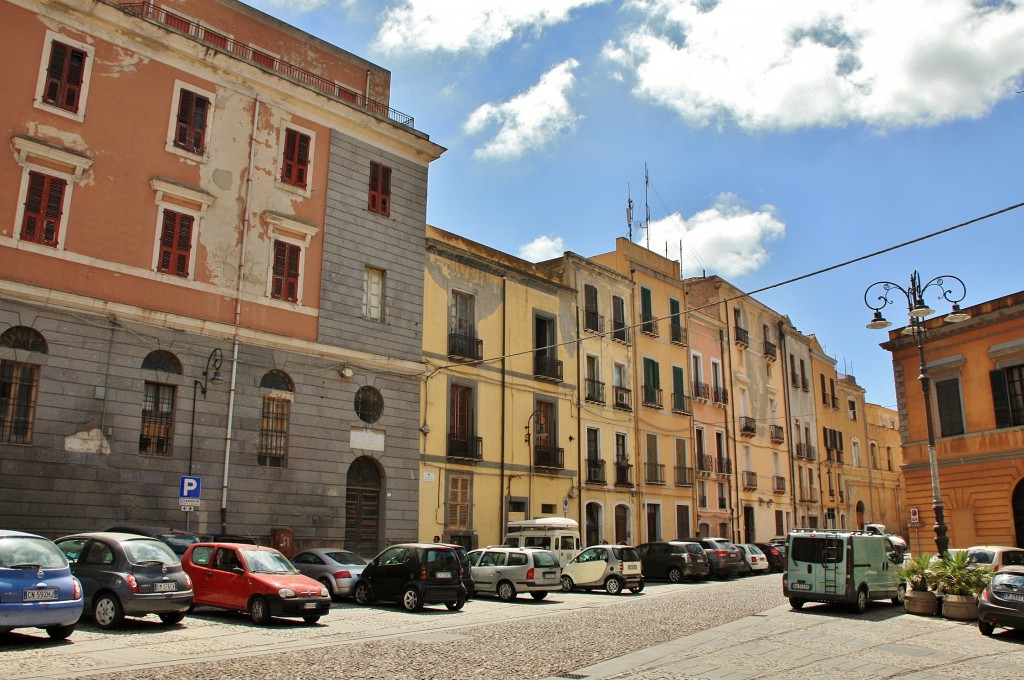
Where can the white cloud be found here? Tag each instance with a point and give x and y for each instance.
(471, 25)
(528, 121)
(542, 248)
(726, 239)
(293, 5)
(800, 63)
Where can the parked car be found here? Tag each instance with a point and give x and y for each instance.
(724, 558)
(509, 571)
(37, 589)
(673, 560)
(467, 570)
(996, 556)
(176, 540)
(755, 561)
(127, 575)
(229, 538)
(1001, 604)
(776, 556)
(254, 579)
(413, 574)
(335, 568)
(612, 567)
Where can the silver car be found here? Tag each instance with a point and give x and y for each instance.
(509, 571)
(335, 568)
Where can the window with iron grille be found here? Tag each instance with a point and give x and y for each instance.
(380, 189)
(64, 76)
(175, 243)
(458, 502)
(190, 127)
(44, 205)
(19, 383)
(296, 158)
(157, 419)
(285, 279)
(273, 449)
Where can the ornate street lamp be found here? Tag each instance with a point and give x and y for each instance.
(917, 310)
(213, 361)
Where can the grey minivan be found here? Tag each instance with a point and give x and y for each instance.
(724, 558)
(509, 571)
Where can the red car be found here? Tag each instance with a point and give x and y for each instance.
(253, 579)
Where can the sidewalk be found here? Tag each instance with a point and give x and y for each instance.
(827, 642)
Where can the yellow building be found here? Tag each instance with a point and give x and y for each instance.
(884, 461)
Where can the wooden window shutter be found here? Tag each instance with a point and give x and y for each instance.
(44, 204)
(458, 502)
(947, 396)
(296, 158)
(1000, 398)
(175, 243)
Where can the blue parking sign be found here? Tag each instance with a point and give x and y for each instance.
(190, 487)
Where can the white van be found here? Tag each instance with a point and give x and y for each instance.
(560, 535)
(841, 566)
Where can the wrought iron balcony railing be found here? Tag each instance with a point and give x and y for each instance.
(547, 368)
(778, 434)
(623, 397)
(620, 332)
(741, 336)
(649, 325)
(652, 396)
(654, 473)
(749, 479)
(594, 390)
(680, 403)
(549, 457)
(748, 426)
(719, 396)
(770, 351)
(466, 447)
(701, 391)
(462, 346)
(684, 475)
(592, 321)
(678, 334)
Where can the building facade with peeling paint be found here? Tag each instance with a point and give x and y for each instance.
(188, 285)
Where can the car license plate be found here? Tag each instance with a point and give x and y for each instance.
(164, 586)
(310, 605)
(442, 574)
(39, 594)
(549, 574)
(1016, 597)
(800, 586)
(632, 567)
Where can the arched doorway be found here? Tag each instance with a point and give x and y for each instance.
(1018, 513)
(362, 507)
(860, 515)
(621, 524)
(593, 525)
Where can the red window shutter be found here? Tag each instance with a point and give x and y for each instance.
(284, 283)
(175, 243)
(191, 127)
(380, 189)
(64, 76)
(296, 158)
(44, 205)
(385, 191)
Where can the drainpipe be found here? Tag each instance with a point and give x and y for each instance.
(503, 505)
(725, 348)
(790, 444)
(580, 442)
(238, 319)
(636, 407)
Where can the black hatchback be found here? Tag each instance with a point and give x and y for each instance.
(413, 574)
(673, 560)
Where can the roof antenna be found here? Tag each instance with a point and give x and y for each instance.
(629, 214)
(647, 209)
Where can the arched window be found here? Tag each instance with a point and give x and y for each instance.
(23, 337)
(278, 393)
(162, 360)
(19, 385)
(156, 435)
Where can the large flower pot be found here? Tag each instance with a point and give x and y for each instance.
(960, 607)
(921, 602)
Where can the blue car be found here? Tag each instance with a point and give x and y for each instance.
(37, 589)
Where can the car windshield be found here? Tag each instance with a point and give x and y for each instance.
(268, 562)
(441, 560)
(26, 552)
(149, 551)
(982, 556)
(545, 559)
(346, 558)
(626, 554)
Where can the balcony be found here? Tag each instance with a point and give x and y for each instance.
(741, 336)
(620, 333)
(724, 465)
(702, 501)
(778, 434)
(778, 484)
(805, 451)
(654, 473)
(465, 347)
(594, 390)
(652, 396)
(595, 471)
(719, 396)
(834, 456)
(649, 325)
(680, 403)
(842, 496)
(677, 334)
(795, 379)
(623, 397)
(547, 368)
(593, 322)
(262, 60)
(684, 475)
(465, 447)
(749, 479)
(705, 463)
(805, 384)
(701, 391)
(623, 474)
(548, 457)
(748, 426)
(770, 351)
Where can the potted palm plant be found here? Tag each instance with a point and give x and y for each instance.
(920, 598)
(961, 581)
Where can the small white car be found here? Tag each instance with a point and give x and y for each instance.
(612, 567)
(507, 572)
(757, 561)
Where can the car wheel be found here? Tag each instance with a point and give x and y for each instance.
(637, 589)
(539, 594)
(191, 608)
(362, 593)
(613, 585)
(62, 632)
(107, 611)
(311, 619)
(259, 610)
(675, 574)
(796, 603)
(411, 600)
(567, 584)
(171, 618)
(861, 603)
(330, 585)
(506, 591)
(984, 627)
(901, 594)
(455, 606)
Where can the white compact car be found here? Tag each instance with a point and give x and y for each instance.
(612, 567)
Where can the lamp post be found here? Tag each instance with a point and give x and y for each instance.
(214, 362)
(917, 310)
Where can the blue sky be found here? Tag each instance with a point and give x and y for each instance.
(780, 137)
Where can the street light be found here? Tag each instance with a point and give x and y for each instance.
(213, 361)
(916, 311)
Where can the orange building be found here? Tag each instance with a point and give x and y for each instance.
(976, 369)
